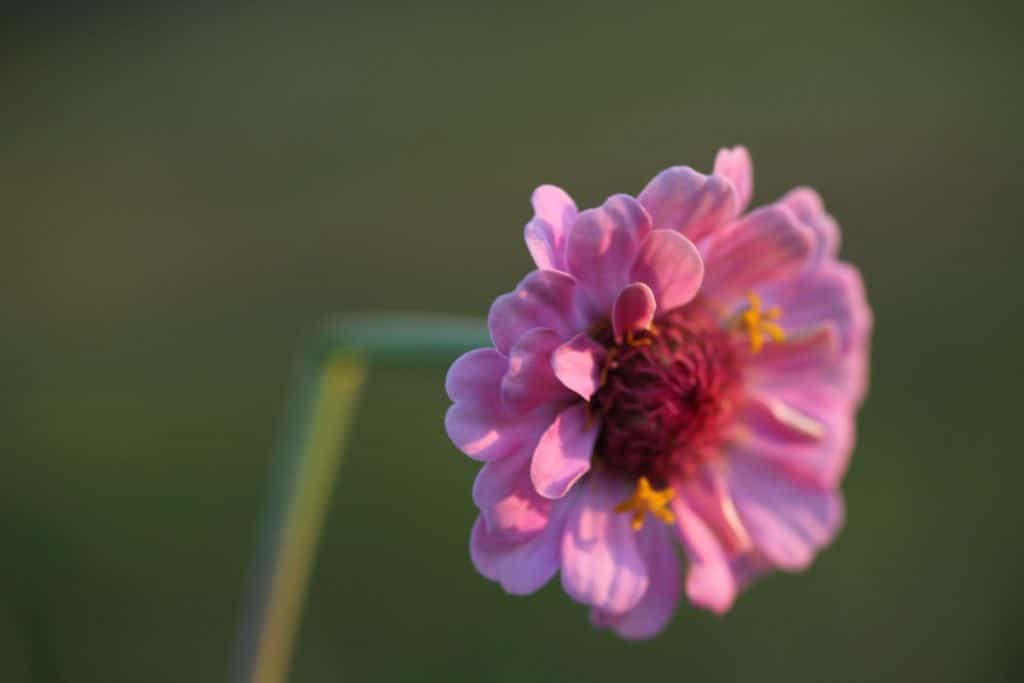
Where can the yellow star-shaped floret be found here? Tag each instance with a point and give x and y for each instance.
(758, 323)
(647, 499)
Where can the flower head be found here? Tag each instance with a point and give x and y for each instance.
(676, 371)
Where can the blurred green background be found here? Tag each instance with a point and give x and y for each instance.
(185, 191)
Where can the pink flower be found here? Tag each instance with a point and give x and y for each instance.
(674, 371)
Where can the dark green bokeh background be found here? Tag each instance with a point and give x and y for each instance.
(183, 192)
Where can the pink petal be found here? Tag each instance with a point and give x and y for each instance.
(803, 430)
(723, 560)
(602, 245)
(688, 202)
(485, 435)
(507, 500)
(521, 566)
(477, 423)
(530, 381)
(633, 310)
(474, 375)
(806, 204)
(788, 521)
(735, 164)
(806, 352)
(708, 496)
(577, 364)
(554, 213)
(671, 266)
(564, 451)
(710, 581)
(748, 567)
(543, 299)
(766, 246)
(601, 563)
(832, 293)
(650, 616)
(852, 371)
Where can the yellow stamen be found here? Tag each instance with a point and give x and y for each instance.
(759, 324)
(645, 500)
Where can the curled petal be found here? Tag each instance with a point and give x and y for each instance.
(806, 204)
(478, 423)
(671, 265)
(633, 310)
(530, 381)
(803, 430)
(689, 202)
(543, 299)
(766, 246)
(577, 364)
(564, 451)
(520, 566)
(602, 245)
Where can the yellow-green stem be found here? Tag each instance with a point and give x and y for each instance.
(321, 407)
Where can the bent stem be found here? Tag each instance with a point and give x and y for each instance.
(327, 385)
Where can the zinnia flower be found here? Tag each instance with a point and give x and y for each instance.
(674, 372)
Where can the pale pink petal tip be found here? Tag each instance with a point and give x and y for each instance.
(554, 213)
(577, 365)
(736, 165)
(633, 310)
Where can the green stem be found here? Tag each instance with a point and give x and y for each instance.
(325, 392)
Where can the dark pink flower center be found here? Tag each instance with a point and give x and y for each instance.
(666, 396)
